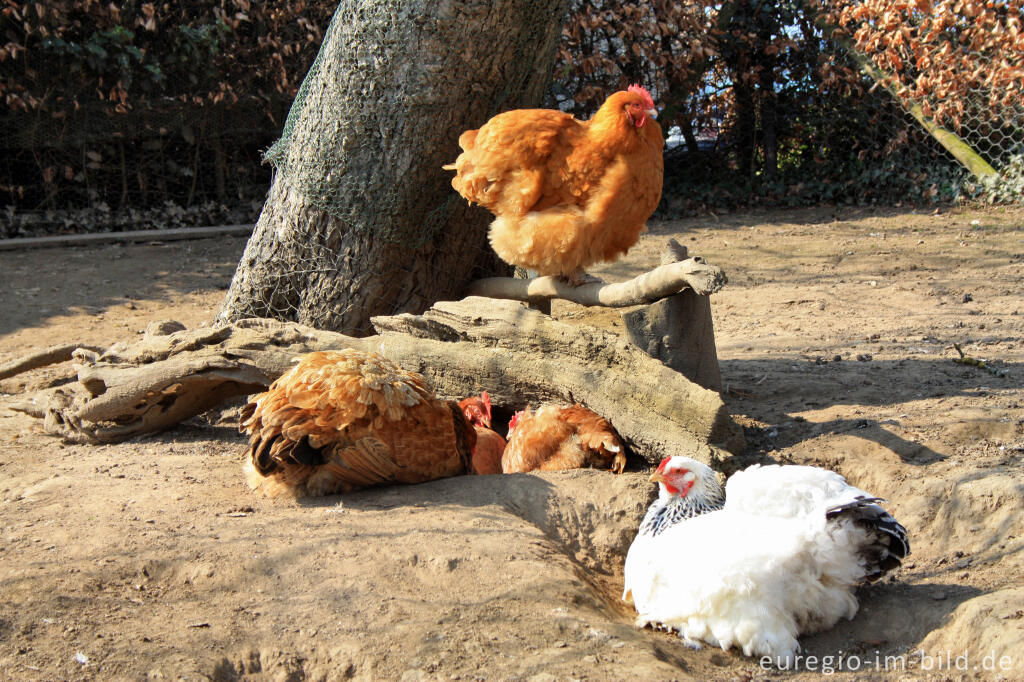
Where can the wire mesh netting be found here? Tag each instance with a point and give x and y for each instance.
(137, 115)
(171, 166)
(354, 224)
(126, 117)
(800, 103)
(327, 138)
(957, 68)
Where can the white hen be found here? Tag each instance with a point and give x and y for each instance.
(779, 558)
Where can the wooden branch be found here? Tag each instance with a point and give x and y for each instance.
(520, 356)
(130, 236)
(48, 356)
(666, 280)
(678, 330)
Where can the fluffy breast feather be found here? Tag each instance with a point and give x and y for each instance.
(758, 591)
(490, 447)
(781, 558)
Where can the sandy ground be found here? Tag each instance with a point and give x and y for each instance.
(836, 333)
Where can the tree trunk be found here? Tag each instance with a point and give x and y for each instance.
(360, 219)
(746, 124)
(769, 132)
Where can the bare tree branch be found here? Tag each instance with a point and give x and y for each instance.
(663, 281)
(47, 356)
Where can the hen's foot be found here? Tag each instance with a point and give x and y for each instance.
(691, 643)
(619, 463)
(578, 277)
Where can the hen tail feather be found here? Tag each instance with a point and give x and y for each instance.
(891, 544)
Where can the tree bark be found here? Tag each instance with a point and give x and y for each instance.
(769, 122)
(746, 124)
(360, 219)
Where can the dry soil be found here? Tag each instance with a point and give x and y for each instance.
(836, 332)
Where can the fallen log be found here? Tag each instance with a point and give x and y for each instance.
(158, 382)
(524, 357)
(521, 356)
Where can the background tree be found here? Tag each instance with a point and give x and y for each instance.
(360, 219)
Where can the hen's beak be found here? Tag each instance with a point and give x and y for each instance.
(653, 113)
(657, 477)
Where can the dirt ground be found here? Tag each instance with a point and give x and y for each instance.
(152, 559)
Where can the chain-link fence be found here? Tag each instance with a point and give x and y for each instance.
(135, 115)
(137, 120)
(957, 69)
(795, 103)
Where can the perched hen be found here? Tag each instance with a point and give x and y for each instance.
(555, 438)
(489, 444)
(342, 420)
(778, 554)
(565, 193)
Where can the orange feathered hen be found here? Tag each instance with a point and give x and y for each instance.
(565, 193)
(489, 444)
(555, 438)
(342, 420)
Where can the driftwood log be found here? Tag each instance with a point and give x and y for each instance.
(43, 358)
(524, 357)
(520, 356)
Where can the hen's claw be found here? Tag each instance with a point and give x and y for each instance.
(619, 463)
(578, 278)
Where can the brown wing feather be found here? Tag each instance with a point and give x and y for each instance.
(599, 440)
(516, 160)
(536, 439)
(342, 420)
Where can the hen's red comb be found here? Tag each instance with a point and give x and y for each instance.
(486, 398)
(661, 467)
(642, 91)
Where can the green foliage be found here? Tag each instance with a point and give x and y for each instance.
(1005, 188)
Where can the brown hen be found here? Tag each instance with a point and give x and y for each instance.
(489, 444)
(343, 420)
(555, 438)
(565, 193)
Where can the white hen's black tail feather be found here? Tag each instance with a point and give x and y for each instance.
(890, 544)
